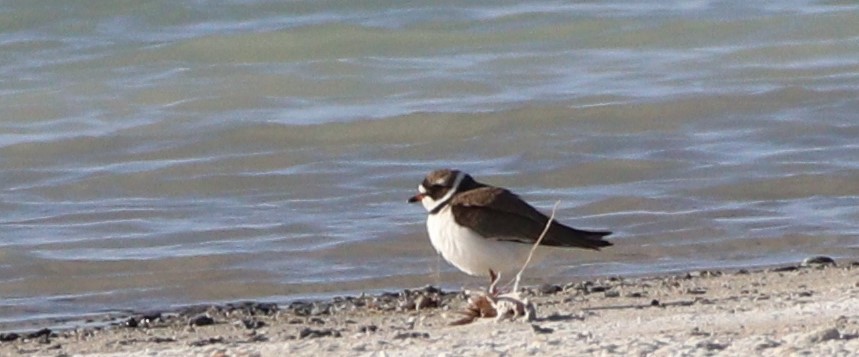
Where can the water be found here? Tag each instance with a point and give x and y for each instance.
(165, 153)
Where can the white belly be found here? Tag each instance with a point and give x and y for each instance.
(470, 252)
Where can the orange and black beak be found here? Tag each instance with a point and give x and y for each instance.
(417, 198)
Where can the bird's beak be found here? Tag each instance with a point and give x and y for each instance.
(417, 198)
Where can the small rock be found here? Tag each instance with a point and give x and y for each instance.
(258, 338)
(162, 339)
(368, 328)
(697, 332)
(429, 290)
(207, 341)
(596, 289)
(766, 344)
(817, 261)
(320, 309)
(45, 339)
(43, 336)
(263, 308)
(784, 269)
(131, 322)
(299, 308)
(40, 333)
(549, 289)
(823, 335)
(201, 320)
(696, 291)
(412, 334)
(149, 317)
(252, 324)
(612, 294)
(407, 304)
(425, 302)
(311, 333)
(711, 346)
(541, 330)
(8, 337)
(654, 302)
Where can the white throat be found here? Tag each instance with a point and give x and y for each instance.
(432, 205)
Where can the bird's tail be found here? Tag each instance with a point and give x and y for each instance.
(560, 235)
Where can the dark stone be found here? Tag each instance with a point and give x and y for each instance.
(711, 346)
(300, 308)
(654, 302)
(784, 269)
(597, 289)
(8, 337)
(824, 335)
(207, 341)
(549, 289)
(426, 302)
(407, 304)
(696, 291)
(253, 308)
(541, 330)
(568, 317)
(312, 333)
(817, 261)
(320, 309)
(252, 324)
(162, 339)
(258, 338)
(412, 334)
(201, 320)
(429, 289)
(41, 333)
(150, 317)
(368, 328)
(131, 322)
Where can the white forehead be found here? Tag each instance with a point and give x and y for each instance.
(421, 189)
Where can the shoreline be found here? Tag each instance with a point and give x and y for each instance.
(788, 309)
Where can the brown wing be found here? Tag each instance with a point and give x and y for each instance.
(496, 213)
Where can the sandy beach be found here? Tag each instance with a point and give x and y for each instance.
(807, 309)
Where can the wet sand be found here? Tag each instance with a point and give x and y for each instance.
(803, 309)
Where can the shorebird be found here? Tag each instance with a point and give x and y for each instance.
(485, 230)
